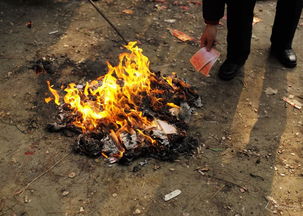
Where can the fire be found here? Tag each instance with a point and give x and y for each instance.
(114, 98)
(55, 94)
(113, 103)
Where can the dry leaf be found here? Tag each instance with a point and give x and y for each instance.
(181, 35)
(195, 2)
(128, 11)
(184, 7)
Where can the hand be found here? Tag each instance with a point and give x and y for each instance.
(208, 38)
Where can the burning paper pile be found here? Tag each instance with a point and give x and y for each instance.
(129, 112)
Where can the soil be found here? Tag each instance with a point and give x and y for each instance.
(249, 161)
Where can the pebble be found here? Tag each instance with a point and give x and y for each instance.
(65, 193)
(72, 175)
(26, 199)
(242, 190)
(137, 212)
(81, 209)
(9, 74)
(170, 20)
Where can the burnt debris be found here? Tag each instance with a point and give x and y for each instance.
(151, 122)
(169, 131)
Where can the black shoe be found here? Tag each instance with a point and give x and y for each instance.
(229, 70)
(286, 57)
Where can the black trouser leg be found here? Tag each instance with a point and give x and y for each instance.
(287, 17)
(240, 15)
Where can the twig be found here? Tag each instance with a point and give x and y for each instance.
(108, 21)
(42, 174)
(223, 180)
(15, 125)
(217, 192)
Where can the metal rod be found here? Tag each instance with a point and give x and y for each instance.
(108, 21)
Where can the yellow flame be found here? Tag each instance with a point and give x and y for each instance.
(47, 100)
(173, 105)
(54, 92)
(114, 100)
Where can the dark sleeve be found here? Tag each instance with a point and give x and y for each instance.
(213, 11)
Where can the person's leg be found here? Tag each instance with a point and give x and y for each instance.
(239, 25)
(286, 20)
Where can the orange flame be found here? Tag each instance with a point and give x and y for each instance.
(55, 94)
(47, 100)
(114, 100)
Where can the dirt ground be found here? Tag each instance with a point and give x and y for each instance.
(251, 150)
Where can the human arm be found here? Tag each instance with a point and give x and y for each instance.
(213, 11)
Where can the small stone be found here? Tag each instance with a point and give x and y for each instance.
(26, 199)
(65, 193)
(171, 169)
(271, 91)
(72, 175)
(81, 209)
(170, 20)
(137, 212)
(114, 195)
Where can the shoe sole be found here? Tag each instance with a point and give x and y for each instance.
(288, 65)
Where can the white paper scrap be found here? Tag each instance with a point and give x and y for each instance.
(172, 195)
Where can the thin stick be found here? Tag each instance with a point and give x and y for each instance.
(217, 192)
(42, 174)
(15, 125)
(108, 21)
(223, 180)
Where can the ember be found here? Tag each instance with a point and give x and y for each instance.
(129, 112)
